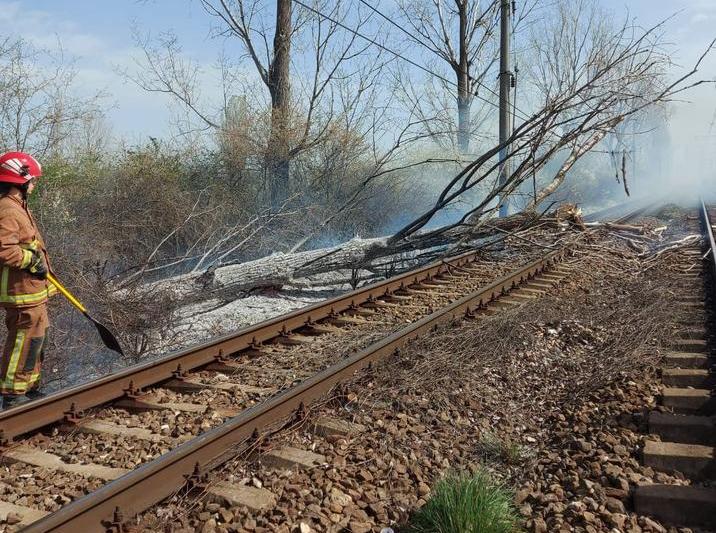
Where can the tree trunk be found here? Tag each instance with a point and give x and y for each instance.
(463, 115)
(280, 89)
(282, 268)
(464, 93)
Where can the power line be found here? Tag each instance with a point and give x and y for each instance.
(420, 42)
(396, 54)
(407, 60)
(524, 116)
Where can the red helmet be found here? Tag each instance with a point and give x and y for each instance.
(18, 168)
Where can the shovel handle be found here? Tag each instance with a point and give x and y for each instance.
(74, 301)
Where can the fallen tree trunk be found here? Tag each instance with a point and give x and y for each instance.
(283, 268)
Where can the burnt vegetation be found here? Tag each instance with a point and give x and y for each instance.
(328, 125)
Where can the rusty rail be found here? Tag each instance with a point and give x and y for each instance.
(55, 407)
(154, 481)
(106, 508)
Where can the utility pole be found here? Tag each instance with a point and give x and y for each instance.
(505, 87)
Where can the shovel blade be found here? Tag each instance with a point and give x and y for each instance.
(108, 338)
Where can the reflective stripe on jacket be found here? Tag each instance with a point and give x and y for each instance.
(18, 235)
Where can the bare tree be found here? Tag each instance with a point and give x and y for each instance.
(238, 17)
(588, 78)
(305, 107)
(38, 110)
(460, 34)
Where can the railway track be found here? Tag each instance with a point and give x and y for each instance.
(685, 423)
(193, 409)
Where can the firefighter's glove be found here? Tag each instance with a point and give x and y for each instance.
(34, 263)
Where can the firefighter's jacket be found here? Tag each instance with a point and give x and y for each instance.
(18, 235)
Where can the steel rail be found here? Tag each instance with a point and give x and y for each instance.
(709, 237)
(55, 407)
(154, 481)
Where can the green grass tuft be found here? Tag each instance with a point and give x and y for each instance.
(467, 504)
(493, 449)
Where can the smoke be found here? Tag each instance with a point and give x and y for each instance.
(677, 159)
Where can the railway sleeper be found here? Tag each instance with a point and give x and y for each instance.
(689, 305)
(195, 384)
(438, 283)
(150, 403)
(325, 427)
(35, 457)
(319, 329)
(255, 369)
(692, 333)
(685, 288)
(536, 284)
(450, 295)
(361, 311)
(552, 278)
(396, 298)
(687, 360)
(523, 296)
(100, 427)
(677, 504)
(695, 461)
(230, 366)
(689, 299)
(689, 401)
(346, 321)
(233, 495)
(380, 304)
(560, 272)
(685, 429)
(506, 302)
(688, 377)
(19, 515)
(414, 292)
(292, 339)
(689, 345)
(288, 457)
(527, 291)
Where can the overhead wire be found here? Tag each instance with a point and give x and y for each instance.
(400, 56)
(525, 116)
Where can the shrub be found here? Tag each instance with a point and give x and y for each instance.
(466, 504)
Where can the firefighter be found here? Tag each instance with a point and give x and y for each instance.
(24, 288)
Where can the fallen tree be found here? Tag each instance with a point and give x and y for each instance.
(589, 78)
(281, 269)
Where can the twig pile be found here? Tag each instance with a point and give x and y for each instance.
(548, 350)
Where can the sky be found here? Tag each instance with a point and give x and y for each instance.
(99, 35)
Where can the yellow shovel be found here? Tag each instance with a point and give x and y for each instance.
(109, 340)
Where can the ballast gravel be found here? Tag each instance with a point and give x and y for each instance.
(551, 398)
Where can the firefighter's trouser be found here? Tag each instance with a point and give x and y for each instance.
(24, 348)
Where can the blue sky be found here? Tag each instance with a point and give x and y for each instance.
(98, 33)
